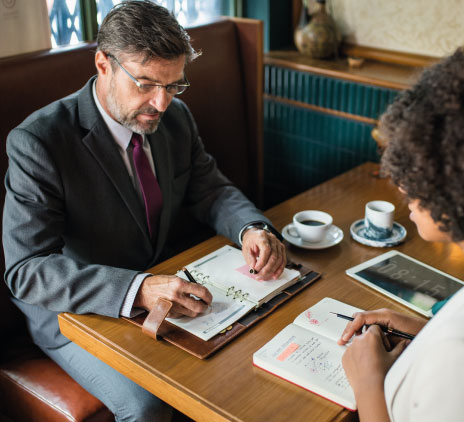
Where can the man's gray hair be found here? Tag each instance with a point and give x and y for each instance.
(143, 27)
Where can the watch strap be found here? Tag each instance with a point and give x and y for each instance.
(261, 225)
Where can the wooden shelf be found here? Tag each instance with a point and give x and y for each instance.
(372, 72)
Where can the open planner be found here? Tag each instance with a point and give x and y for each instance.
(239, 300)
(306, 352)
(235, 291)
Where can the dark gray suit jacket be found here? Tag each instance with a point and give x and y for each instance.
(74, 230)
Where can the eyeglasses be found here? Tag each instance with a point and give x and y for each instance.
(171, 89)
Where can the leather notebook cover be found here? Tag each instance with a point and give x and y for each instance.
(201, 348)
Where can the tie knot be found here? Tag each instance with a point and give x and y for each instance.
(137, 140)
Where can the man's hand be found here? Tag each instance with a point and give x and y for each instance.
(385, 317)
(175, 289)
(264, 253)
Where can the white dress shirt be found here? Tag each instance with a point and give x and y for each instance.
(122, 136)
(426, 383)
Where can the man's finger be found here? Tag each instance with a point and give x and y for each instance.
(198, 291)
(264, 253)
(273, 263)
(251, 255)
(280, 270)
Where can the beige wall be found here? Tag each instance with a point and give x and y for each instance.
(428, 27)
(24, 26)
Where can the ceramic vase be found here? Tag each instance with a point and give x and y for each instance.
(317, 38)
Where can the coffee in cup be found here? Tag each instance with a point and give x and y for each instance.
(378, 220)
(311, 225)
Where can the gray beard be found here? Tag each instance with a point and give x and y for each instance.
(129, 121)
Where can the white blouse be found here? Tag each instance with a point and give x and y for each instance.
(426, 383)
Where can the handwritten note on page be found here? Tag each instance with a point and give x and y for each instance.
(309, 360)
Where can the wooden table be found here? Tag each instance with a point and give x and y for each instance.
(226, 386)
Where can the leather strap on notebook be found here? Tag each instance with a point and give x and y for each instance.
(156, 316)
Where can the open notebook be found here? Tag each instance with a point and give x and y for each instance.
(306, 352)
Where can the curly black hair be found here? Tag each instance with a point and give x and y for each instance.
(424, 134)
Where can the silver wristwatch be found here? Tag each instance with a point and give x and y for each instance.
(259, 226)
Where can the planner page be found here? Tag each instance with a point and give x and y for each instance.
(226, 269)
(223, 312)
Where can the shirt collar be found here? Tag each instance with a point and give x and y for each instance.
(121, 134)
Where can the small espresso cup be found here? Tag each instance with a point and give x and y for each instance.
(311, 226)
(378, 219)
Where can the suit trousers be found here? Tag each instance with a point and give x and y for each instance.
(125, 399)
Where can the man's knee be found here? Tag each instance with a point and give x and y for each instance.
(124, 398)
(143, 408)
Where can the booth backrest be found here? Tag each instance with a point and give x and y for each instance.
(225, 98)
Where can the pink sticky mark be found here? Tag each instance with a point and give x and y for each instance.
(308, 314)
(245, 270)
(314, 321)
(288, 351)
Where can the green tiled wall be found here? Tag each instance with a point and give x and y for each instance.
(336, 94)
(303, 147)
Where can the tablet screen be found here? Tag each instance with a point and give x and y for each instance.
(410, 281)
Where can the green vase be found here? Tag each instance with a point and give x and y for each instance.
(317, 39)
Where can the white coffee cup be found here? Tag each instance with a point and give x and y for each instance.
(311, 226)
(378, 219)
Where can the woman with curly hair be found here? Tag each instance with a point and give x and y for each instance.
(424, 156)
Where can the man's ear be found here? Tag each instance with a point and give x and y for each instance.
(103, 65)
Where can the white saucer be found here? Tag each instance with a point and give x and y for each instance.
(358, 233)
(333, 237)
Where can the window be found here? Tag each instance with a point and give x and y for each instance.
(67, 19)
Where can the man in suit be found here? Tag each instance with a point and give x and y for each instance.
(94, 183)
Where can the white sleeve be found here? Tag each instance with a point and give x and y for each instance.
(127, 309)
(438, 387)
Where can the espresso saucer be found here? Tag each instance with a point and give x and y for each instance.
(358, 233)
(333, 236)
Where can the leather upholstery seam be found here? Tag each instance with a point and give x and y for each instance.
(38, 396)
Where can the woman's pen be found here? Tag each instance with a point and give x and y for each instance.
(386, 330)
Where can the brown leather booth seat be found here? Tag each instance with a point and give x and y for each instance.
(225, 98)
(33, 387)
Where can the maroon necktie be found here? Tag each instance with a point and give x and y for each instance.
(149, 186)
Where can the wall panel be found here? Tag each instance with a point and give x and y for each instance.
(304, 147)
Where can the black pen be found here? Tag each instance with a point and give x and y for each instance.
(192, 280)
(386, 330)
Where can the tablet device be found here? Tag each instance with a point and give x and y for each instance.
(407, 280)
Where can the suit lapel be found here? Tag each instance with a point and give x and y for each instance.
(106, 154)
(159, 144)
(102, 147)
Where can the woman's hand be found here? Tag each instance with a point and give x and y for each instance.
(366, 363)
(385, 317)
